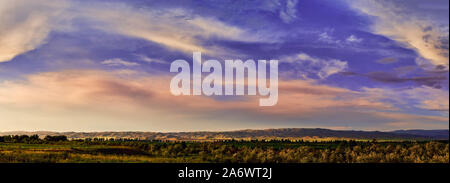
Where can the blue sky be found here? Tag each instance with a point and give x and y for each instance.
(104, 65)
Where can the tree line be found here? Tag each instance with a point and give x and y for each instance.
(231, 151)
(32, 138)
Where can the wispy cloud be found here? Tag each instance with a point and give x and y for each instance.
(119, 62)
(423, 97)
(289, 12)
(425, 34)
(387, 60)
(432, 79)
(173, 28)
(328, 38)
(25, 25)
(353, 39)
(137, 95)
(150, 60)
(323, 68)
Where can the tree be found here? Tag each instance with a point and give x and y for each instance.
(55, 138)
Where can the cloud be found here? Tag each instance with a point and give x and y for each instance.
(327, 38)
(175, 29)
(423, 97)
(25, 25)
(150, 60)
(387, 60)
(122, 100)
(430, 98)
(119, 62)
(432, 80)
(353, 39)
(412, 121)
(322, 68)
(406, 70)
(289, 12)
(414, 25)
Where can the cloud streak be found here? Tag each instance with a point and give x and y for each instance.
(425, 34)
(173, 28)
(322, 68)
(119, 62)
(147, 98)
(25, 25)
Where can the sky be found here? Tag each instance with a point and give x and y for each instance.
(103, 65)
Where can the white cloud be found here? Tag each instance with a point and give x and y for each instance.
(407, 24)
(25, 25)
(331, 67)
(176, 29)
(327, 38)
(323, 68)
(353, 39)
(289, 13)
(119, 62)
(150, 60)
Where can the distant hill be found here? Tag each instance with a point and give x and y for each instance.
(285, 133)
(435, 134)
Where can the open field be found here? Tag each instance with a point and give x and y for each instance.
(19, 149)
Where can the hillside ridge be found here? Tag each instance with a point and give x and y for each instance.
(253, 134)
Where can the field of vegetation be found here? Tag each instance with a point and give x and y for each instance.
(58, 149)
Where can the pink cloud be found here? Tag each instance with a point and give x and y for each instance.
(139, 98)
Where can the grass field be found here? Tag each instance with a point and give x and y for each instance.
(275, 151)
(79, 153)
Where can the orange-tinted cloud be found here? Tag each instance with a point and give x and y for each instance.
(117, 99)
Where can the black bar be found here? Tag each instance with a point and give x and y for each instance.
(279, 172)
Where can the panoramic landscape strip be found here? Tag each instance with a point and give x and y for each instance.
(247, 146)
(272, 84)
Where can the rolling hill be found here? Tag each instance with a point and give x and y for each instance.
(284, 133)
